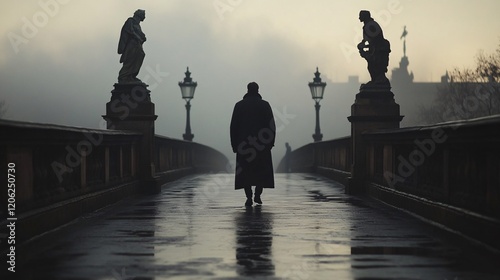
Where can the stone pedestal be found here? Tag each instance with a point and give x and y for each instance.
(373, 109)
(131, 109)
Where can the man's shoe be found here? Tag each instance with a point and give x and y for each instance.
(257, 200)
(249, 202)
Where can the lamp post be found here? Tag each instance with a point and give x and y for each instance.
(187, 90)
(317, 89)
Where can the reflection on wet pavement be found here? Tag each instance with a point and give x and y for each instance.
(198, 228)
(254, 242)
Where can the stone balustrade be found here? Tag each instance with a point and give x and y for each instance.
(446, 173)
(63, 172)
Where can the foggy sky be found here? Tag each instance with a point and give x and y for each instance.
(63, 62)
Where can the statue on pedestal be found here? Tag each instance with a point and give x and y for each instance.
(130, 48)
(375, 49)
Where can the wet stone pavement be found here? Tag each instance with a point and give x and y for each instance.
(198, 228)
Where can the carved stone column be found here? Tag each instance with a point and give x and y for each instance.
(374, 108)
(130, 108)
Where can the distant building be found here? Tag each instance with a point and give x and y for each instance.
(411, 95)
(401, 74)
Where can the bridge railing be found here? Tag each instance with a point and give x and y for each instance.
(55, 163)
(331, 158)
(62, 172)
(171, 154)
(448, 173)
(173, 157)
(456, 163)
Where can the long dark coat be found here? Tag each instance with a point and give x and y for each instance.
(253, 132)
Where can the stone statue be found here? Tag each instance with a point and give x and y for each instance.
(375, 49)
(130, 48)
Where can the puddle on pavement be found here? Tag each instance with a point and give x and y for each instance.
(147, 203)
(139, 233)
(134, 254)
(382, 250)
(134, 218)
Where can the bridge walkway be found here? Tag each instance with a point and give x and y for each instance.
(307, 228)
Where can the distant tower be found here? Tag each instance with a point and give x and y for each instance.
(446, 78)
(400, 75)
(403, 36)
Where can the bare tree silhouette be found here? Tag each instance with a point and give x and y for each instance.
(468, 93)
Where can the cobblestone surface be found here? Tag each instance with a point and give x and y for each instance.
(307, 228)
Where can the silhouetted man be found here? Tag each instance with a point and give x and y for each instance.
(130, 48)
(377, 51)
(288, 154)
(252, 138)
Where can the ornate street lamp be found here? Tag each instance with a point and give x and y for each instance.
(187, 90)
(317, 89)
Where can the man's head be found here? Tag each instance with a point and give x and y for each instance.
(253, 87)
(364, 15)
(140, 14)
